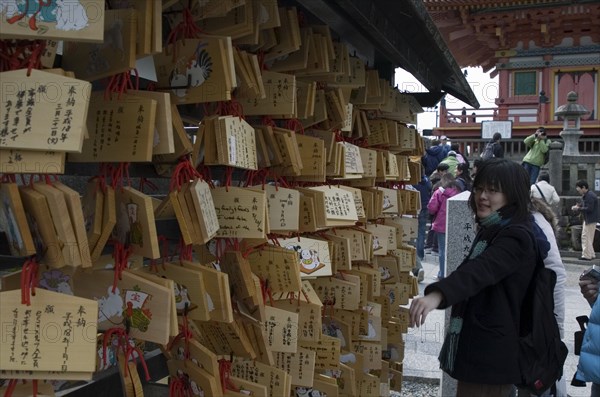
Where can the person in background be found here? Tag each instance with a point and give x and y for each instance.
(588, 368)
(588, 207)
(459, 156)
(452, 162)
(437, 209)
(435, 178)
(463, 179)
(476, 164)
(493, 148)
(488, 289)
(434, 154)
(544, 190)
(538, 144)
(424, 188)
(545, 227)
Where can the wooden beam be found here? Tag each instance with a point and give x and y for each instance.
(459, 34)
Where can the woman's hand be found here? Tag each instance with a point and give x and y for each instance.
(589, 290)
(420, 307)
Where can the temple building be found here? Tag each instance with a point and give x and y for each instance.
(540, 50)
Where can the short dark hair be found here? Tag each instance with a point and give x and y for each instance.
(507, 177)
(463, 167)
(454, 146)
(582, 183)
(442, 167)
(496, 136)
(544, 176)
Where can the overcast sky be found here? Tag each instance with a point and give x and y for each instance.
(484, 88)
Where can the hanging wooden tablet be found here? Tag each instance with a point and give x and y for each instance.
(121, 129)
(319, 110)
(181, 143)
(74, 344)
(277, 265)
(163, 141)
(312, 157)
(199, 381)
(189, 288)
(42, 227)
(92, 204)
(281, 329)
(109, 220)
(288, 34)
(74, 206)
(205, 209)
(276, 380)
(147, 304)
(340, 209)
(135, 226)
(300, 365)
(13, 221)
(236, 23)
(19, 161)
(313, 256)
(296, 60)
(327, 352)
(115, 54)
(196, 70)
(281, 98)
(344, 293)
(174, 299)
(216, 285)
(284, 209)
(241, 212)
(54, 110)
(309, 316)
(81, 20)
(236, 143)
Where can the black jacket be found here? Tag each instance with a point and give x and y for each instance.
(493, 286)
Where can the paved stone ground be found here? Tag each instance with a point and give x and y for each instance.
(423, 344)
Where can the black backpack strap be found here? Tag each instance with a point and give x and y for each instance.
(542, 194)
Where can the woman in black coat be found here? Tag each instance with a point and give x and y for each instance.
(487, 290)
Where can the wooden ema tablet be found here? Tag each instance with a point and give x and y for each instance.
(170, 285)
(20, 161)
(74, 206)
(146, 303)
(198, 379)
(189, 288)
(57, 115)
(109, 220)
(226, 338)
(70, 346)
(300, 365)
(216, 285)
(275, 379)
(280, 98)
(162, 140)
(42, 227)
(241, 212)
(277, 265)
(313, 256)
(327, 351)
(281, 329)
(181, 141)
(205, 209)
(14, 221)
(81, 21)
(200, 71)
(121, 129)
(92, 206)
(116, 54)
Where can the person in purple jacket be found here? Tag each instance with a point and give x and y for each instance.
(437, 209)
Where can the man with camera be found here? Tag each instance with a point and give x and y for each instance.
(538, 144)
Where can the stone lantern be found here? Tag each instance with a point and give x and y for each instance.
(571, 113)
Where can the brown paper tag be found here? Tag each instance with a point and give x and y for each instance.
(73, 319)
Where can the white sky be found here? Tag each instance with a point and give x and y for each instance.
(484, 88)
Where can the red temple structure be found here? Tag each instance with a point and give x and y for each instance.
(540, 50)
